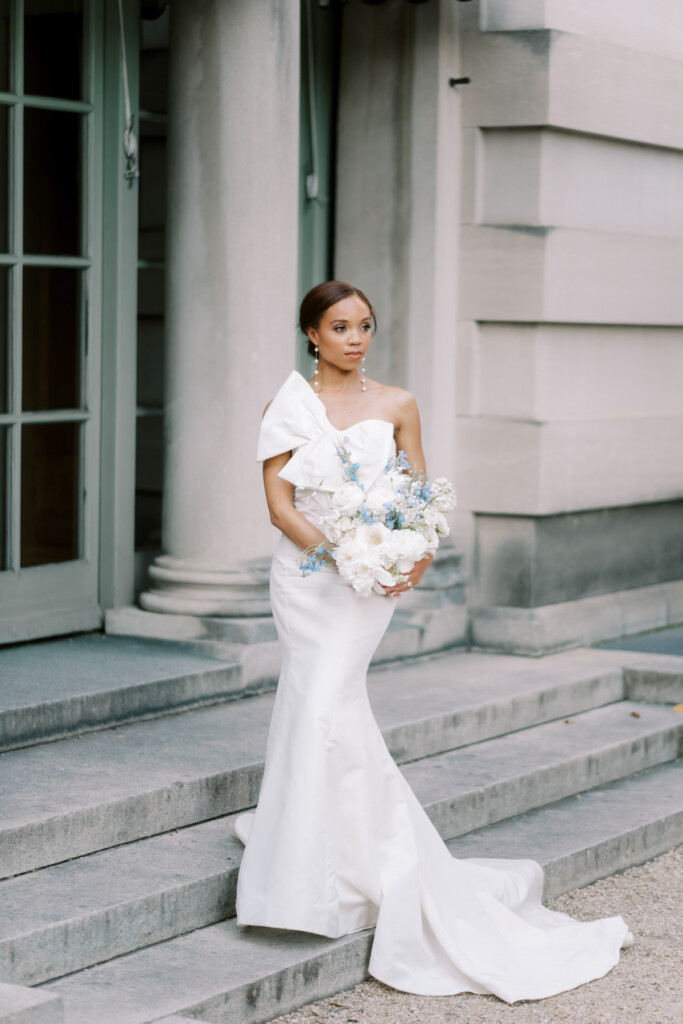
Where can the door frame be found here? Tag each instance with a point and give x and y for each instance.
(70, 596)
(119, 317)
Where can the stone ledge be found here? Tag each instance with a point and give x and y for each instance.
(537, 631)
(436, 621)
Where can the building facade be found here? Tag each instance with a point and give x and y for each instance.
(503, 179)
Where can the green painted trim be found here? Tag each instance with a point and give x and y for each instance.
(119, 321)
(41, 600)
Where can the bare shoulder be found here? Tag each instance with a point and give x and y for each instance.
(398, 404)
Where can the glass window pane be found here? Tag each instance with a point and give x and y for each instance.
(4, 498)
(51, 349)
(4, 339)
(53, 48)
(50, 459)
(4, 177)
(52, 182)
(5, 37)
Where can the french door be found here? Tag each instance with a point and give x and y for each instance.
(50, 283)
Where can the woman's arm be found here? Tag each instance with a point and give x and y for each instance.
(280, 498)
(408, 434)
(408, 438)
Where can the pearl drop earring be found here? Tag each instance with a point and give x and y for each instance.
(363, 382)
(316, 378)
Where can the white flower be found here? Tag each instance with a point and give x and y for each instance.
(372, 535)
(407, 547)
(377, 499)
(437, 520)
(348, 498)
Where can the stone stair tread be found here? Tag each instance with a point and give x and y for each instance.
(523, 752)
(513, 773)
(251, 973)
(141, 767)
(60, 687)
(52, 689)
(19, 1005)
(219, 969)
(626, 822)
(197, 866)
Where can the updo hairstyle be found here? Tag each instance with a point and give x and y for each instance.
(316, 303)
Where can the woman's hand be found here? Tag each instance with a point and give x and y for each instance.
(412, 578)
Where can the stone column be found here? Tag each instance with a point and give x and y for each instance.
(397, 228)
(231, 293)
(398, 218)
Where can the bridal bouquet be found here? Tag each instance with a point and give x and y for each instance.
(377, 536)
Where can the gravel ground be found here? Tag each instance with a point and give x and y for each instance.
(644, 988)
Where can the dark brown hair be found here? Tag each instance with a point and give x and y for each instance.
(316, 303)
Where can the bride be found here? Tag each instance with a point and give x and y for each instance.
(338, 841)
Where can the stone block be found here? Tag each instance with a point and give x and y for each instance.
(519, 468)
(541, 176)
(527, 562)
(533, 274)
(19, 1005)
(570, 371)
(570, 81)
(537, 631)
(652, 28)
(131, 621)
(655, 678)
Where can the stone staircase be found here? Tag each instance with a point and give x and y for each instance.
(126, 760)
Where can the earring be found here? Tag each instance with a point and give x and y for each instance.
(316, 378)
(363, 382)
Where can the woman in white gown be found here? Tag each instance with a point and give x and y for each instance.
(338, 841)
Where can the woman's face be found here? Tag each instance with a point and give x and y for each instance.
(344, 333)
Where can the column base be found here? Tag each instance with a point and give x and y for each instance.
(181, 589)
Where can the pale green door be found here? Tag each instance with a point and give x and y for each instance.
(51, 64)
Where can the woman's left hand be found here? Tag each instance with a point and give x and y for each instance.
(411, 579)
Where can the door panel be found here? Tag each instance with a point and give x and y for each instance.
(50, 300)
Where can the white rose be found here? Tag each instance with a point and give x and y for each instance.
(378, 498)
(348, 498)
(406, 548)
(436, 520)
(372, 535)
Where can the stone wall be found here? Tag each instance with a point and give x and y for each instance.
(570, 346)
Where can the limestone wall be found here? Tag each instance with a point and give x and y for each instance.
(570, 346)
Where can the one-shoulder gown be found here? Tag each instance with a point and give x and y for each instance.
(338, 841)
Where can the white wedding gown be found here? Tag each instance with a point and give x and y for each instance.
(338, 841)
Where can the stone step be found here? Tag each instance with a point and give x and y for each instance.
(74, 685)
(468, 788)
(68, 916)
(649, 676)
(20, 1005)
(72, 797)
(221, 973)
(90, 682)
(593, 834)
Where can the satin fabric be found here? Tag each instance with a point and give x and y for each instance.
(338, 841)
